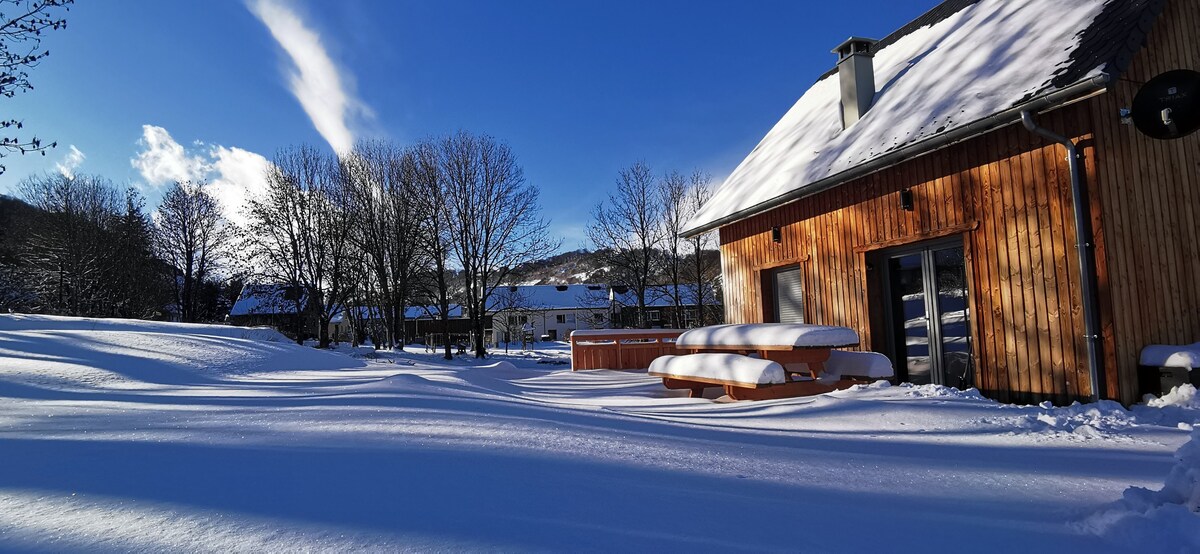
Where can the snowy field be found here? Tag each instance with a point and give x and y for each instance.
(123, 435)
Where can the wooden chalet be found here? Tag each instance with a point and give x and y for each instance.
(921, 194)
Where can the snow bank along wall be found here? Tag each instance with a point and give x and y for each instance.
(1006, 196)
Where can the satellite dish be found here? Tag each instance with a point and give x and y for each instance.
(1168, 106)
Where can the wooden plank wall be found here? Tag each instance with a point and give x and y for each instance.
(1150, 193)
(1008, 195)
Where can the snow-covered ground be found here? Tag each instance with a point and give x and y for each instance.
(118, 435)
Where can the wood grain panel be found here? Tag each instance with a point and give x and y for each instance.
(1146, 194)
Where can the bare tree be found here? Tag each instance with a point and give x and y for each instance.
(434, 231)
(514, 308)
(626, 231)
(23, 23)
(299, 231)
(495, 219)
(69, 251)
(673, 197)
(191, 235)
(706, 265)
(383, 182)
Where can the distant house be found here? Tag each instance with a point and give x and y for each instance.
(921, 193)
(551, 311)
(423, 324)
(661, 308)
(270, 305)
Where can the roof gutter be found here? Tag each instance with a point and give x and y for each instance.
(1061, 97)
(1084, 249)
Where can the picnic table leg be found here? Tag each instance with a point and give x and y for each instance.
(815, 369)
(696, 392)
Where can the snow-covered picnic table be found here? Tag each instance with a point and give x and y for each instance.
(795, 346)
(765, 360)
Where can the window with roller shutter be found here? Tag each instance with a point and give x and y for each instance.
(789, 296)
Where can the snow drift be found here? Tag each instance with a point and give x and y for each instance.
(66, 352)
(1168, 518)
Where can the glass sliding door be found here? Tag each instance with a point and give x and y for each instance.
(929, 315)
(953, 330)
(911, 317)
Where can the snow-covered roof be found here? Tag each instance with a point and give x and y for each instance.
(960, 63)
(550, 297)
(427, 312)
(264, 300)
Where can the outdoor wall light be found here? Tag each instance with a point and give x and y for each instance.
(776, 235)
(906, 200)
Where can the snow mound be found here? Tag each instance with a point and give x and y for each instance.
(1104, 419)
(1088, 421)
(1168, 518)
(940, 391)
(1183, 396)
(30, 322)
(72, 353)
(1178, 408)
(499, 368)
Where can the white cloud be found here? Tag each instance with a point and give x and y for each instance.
(163, 161)
(238, 175)
(70, 162)
(322, 90)
(234, 175)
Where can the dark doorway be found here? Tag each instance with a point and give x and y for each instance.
(925, 289)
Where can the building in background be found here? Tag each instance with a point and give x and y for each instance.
(273, 306)
(550, 311)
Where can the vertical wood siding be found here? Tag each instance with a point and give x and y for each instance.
(1149, 194)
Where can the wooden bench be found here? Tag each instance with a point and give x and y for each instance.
(742, 377)
(799, 348)
(769, 360)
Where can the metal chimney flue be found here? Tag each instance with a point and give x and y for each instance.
(856, 72)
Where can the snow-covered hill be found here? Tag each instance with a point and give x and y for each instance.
(68, 352)
(135, 436)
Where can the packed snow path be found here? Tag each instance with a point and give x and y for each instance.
(134, 436)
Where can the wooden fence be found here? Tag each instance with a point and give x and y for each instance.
(620, 348)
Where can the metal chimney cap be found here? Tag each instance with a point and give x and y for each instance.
(854, 45)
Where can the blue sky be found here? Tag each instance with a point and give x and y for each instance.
(149, 91)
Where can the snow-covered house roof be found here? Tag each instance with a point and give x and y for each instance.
(550, 297)
(432, 312)
(264, 300)
(953, 70)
